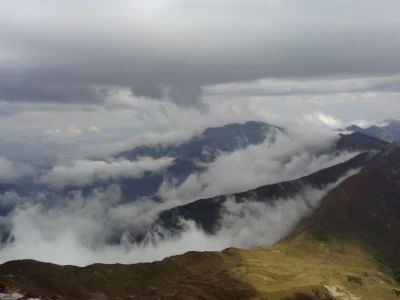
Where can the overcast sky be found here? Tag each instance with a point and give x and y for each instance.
(126, 67)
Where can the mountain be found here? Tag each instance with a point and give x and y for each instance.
(346, 250)
(387, 130)
(360, 142)
(209, 144)
(363, 210)
(203, 148)
(190, 157)
(206, 213)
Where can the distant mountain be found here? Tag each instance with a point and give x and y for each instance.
(203, 148)
(209, 144)
(387, 130)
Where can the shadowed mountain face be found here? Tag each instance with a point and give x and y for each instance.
(364, 209)
(360, 142)
(207, 212)
(388, 130)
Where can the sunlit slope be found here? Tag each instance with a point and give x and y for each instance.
(279, 272)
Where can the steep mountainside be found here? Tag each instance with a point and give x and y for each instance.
(365, 210)
(207, 212)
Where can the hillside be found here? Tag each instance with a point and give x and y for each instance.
(281, 272)
(364, 210)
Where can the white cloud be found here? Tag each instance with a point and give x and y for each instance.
(320, 118)
(94, 128)
(53, 131)
(300, 151)
(73, 130)
(83, 172)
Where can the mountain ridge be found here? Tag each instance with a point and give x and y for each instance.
(320, 260)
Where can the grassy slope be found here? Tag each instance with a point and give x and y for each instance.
(302, 269)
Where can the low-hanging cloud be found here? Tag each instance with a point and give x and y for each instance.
(84, 172)
(84, 227)
(74, 230)
(281, 157)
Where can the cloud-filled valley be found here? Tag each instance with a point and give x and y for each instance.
(90, 223)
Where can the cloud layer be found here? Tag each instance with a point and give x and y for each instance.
(85, 172)
(171, 49)
(74, 230)
(11, 171)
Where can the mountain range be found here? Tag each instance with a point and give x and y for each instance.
(346, 249)
(388, 130)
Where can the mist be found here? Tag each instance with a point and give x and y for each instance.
(74, 232)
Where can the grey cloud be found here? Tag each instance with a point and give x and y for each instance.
(147, 90)
(182, 95)
(192, 44)
(187, 96)
(46, 92)
(85, 172)
(12, 171)
(311, 86)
